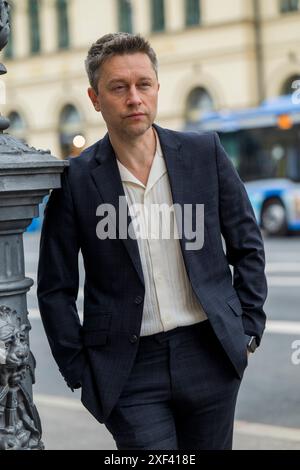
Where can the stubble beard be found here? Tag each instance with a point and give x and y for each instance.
(136, 130)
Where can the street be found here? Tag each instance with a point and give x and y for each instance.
(268, 410)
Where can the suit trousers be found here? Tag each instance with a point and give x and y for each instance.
(181, 394)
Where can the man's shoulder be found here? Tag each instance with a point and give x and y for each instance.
(188, 136)
(86, 156)
(79, 166)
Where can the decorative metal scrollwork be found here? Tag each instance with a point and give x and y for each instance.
(20, 426)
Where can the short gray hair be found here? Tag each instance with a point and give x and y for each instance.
(115, 44)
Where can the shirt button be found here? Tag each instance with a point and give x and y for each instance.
(138, 300)
(133, 339)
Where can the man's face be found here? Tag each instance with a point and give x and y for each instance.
(127, 94)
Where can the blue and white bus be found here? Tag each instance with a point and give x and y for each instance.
(264, 145)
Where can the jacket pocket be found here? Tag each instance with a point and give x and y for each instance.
(235, 305)
(95, 329)
(94, 338)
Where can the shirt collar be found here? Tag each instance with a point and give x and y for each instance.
(158, 169)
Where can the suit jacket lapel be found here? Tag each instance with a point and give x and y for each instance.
(108, 182)
(174, 162)
(179, 175)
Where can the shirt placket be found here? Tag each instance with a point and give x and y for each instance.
(156, 254)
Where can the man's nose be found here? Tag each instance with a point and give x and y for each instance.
(133, 96)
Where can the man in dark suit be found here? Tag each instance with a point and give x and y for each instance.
(167, 328)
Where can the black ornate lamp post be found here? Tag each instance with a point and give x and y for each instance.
(26, 176)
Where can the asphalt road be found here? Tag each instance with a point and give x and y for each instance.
(268, 409)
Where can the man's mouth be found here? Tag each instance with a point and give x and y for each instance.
(135, 115)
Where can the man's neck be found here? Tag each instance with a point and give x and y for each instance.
(136, 154)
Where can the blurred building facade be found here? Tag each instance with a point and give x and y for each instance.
(213, 54)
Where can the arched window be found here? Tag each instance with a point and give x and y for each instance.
(199, 101)
(289, 5)
(290, 85)
(62, 24)
(158, 15)
(125, 16)
(34, 26)
(9, 49)
(72, 140)
(192, 12)
(17, 126)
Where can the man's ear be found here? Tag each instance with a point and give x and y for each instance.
(94, 99)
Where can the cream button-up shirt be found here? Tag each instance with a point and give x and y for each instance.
(170, 301)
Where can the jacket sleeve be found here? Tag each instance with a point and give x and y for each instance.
(244, 244)
(58, 282)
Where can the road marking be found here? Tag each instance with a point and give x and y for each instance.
(286, 281)
(283, 327)
(283, 267)
(266, 430)
(58, 402)
(34, 314)
(240, 427)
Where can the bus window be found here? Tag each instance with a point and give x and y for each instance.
(264, 153)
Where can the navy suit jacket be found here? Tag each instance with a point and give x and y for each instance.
(100, 353)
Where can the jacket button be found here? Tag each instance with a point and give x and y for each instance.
(133, 339)
(138, 300)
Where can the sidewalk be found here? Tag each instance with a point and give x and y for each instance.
(68, 426)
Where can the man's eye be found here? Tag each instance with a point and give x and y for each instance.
(118, 88)
(145, 85)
